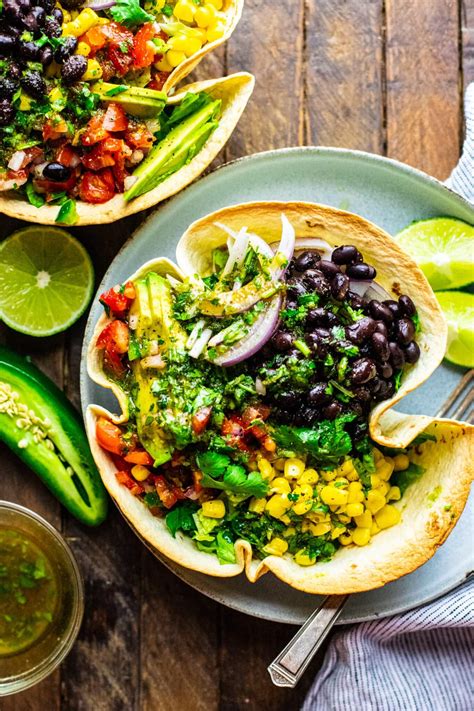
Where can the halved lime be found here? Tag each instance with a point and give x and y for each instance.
(458, 308)
(46, 280)
(444, 248)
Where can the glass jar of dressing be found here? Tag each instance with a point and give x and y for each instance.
(41, 598)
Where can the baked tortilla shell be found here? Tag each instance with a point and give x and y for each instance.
(396, 272)
(234, 90)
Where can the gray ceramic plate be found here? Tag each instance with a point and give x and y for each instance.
(391, 195)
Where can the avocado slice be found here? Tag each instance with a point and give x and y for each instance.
(136, 100)
(153, 169)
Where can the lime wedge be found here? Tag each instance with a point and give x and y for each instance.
(46, 280)
(444, 249)
(458, 308)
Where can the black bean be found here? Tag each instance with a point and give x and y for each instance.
(357, 408)
(332, 319)
(65, 49)
(406, 305)
(386, 370)
(412, 352)
(404, 331)
(317, 345)
(375, 384)
(329, 269)
(24, 5)
(14, 71)
(385, 390)
(29, 51)
(281, 341)
(317, 395)
(316, 281)
(306, 416)
(393, 306)
(7, 112)
(30, 22)
(381, 328)
(12, 8)
(362, 393)
(339, 286)
(317, 317)
(306, 260)
(380, 311)
(347, 254)
(33, 83)
(354, 299)
(322, 333)
(48, 5)
(73, 68)
(397, 357)
(39, 14)
(380, 346)
(7, 44)
(52, 28)
(288, 399)
(58, 15)
(7, 88)
(361, 271)
(295, 288)
(333, 410)
(56, 171)
(361, 330)
(72, 4)
(363, 370)
(46, 56)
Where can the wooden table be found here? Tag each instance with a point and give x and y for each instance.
(381, 76)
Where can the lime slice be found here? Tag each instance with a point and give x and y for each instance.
(46, 280)
(458, 308)
(444, 249)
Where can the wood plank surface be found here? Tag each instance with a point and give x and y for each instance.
(467, 41)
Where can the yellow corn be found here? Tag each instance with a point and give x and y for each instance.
(55, 94)
(374, 480)
(333, 497)
(319, 529)
(302, 507)
(174, 57)
(344, 518)
(86, 19)
(375, 501)
(280, 485)
(103, 21)
(355, 486)
(290, 531)
(309, 476)
(302, 558)
(304, 490)
(401, 462)
(384, 488)
(345, 538)
(364, 521)
(336, 532)
(279, 464)
(341, 481)
(329, 476)
(387, 516)
(257, 505)
(294, 468)
(213, 509)
(265, 469)
(385, 470)
(25, 102)
(277, 506)
(163, 65)
(377, 454)
(83, 48)
(286, 519)
(361, 536)
(355, 497)
(277, 546)
(352, 476)
(374, 529)
(140, 473)
(216, 3)
(186, 44)
(346, 467)
(394, 494)
(354, 510)
(184, 10)
(93, 71)
(205, 15)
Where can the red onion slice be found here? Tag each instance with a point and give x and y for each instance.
(100, 4)
(237, 252)
(255, 339)
(286, 246)
(369, 290)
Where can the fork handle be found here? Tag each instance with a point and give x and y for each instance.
(288, 667)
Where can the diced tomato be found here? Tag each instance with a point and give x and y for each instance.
(197, 476)
(121, 60)
(55, 128)
(97, 187)
(138, 136)
(115, 337)
(118, 300)
(139, 456)
(97, 158)
(158, 81)
(143, 51)
(130, 483)
(95, 130)
(11, 180)
(109, 436)
(234, 432)
(67, 155)
(119, 171)
(167, 496)
(253, 417)
(115, 119)
(200, 420)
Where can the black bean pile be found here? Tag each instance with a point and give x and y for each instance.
(356, 348)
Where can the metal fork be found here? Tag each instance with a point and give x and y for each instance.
(288, 667)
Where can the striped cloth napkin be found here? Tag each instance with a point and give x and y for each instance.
(420, 660)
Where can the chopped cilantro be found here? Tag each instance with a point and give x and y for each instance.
(219, 472)
(119, 89)
(327, 442)
(34, 198)
(181, 518)
(130, 13)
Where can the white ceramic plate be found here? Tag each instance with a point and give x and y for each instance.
(390, 194)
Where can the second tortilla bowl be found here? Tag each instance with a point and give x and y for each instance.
(439, 451)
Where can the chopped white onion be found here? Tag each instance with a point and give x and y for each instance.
(129, 181)
(359, 287)
(201, 343)
(133, 321)
(260, 387)
(175, 283)
(153, 361)
(314, 245)
(375, 291)
(17, 160)
(38, 169)
(237, 252)
(286, 246)
(217, 339)
(193, 336)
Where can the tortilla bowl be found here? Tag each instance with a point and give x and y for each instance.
(234, 91)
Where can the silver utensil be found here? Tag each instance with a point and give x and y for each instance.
(289, 666)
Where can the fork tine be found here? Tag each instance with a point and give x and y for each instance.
(462, 385)
(463, 405)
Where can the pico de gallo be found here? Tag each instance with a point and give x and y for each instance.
(81, 100)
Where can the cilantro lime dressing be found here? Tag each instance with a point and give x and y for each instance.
(28, 591)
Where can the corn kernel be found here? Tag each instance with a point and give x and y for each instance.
(341, 481)
(319, 529)
(213, 509)
(266, 469)
(302, 558)
(86, 19)
(277, 546)
(364, 521)
(218, 4)
(333, 497)
(374, 481)
(355, 486)
(394, 494)
(329, 476)
(374, 529)
(83, 48)
(353, 475)
(93, 71)
(375, 501)
(355, 497)
(345, 538)
(140, 473)
(66, 15)
(184, 10)
(385, 470)
(346, 467)
(216, 32)
(277, 506)
(302, 507)
(269, 444)
(257, 505)
(354, 510)
(361, 536)
(204, 16)
(25, 102)
(294, 468)
(344, 518)
(279, 464)
(377, 454)
(401, 462)
(336, 532)
(175, 58)
(163, 65)
(387, 516)
(304, 490)
(309, 476)
(290, 531)
(280, 485)
(384, 488)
